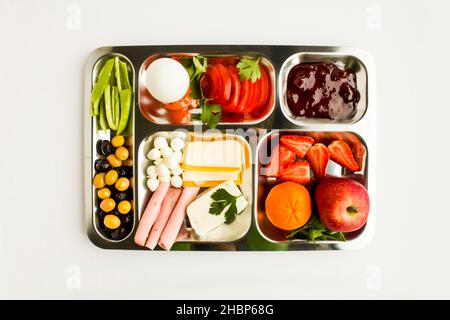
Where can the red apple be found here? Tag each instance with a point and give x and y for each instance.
(343, 204)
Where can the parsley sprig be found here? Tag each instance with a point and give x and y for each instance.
(249, 69)
(222, 200)
(314, 230)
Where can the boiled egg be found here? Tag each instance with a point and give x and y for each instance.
(167, 80)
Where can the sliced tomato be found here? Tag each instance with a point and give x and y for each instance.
(226, 83)
(180, 104)
(264, 90)
(233, 102)
(204, 86)
(214, 83)
(246, 88)
(254, 97)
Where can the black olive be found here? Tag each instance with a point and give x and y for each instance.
(119, 233)
(98, 146)
(106, 148)
(102, 165)
(126, 218)
(115, 212)
(100, 214)
(129, 193)
(119, 196)
(122, 172)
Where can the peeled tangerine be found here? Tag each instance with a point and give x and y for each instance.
(288, 206)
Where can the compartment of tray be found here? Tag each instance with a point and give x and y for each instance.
(352, 61)
(223, 234)
(155, 112)
(263, 184)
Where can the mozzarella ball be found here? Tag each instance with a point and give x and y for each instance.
(171, 162)
(176, 181)
(152, 184)
(167, 80)
(151, 171)
(177, 144)
(178, 134)
(154, 154)
(166, 152)
(160, 142)
(178, 155)
(158, 161)
(162, 170)
(176, 171)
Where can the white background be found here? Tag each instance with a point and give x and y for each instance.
(42, 239)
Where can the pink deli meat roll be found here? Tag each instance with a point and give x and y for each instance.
(175, 222)
(151, 213)
(167, 206)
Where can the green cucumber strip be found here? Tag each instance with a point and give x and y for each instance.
(117, 73)
(99, 86)
(125, 79)
(102, 117)
(129, 129)
(125, 106)
(109, 108)
(116, 106)
(113, 107)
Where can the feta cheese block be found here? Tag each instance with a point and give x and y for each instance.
(198, 211)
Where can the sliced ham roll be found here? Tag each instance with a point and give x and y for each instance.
(167, 206)
(151, 213)
(176, 219)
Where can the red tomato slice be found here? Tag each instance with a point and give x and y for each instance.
(226, 83)
(264, 91)
(233, 102)
(214, 83)
(246, 88)
(180, 104)
(254, 97)
(204, 85)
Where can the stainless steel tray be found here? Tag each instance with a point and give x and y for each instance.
(281, 58)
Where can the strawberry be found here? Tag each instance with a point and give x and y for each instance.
(318, 156)
(341, 153)
(286, 156)
(297, 172)
(297, 144)
(281, 156)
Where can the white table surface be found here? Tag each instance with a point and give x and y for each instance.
(44, 250)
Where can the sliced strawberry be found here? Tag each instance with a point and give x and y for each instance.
(297, 172)
(286, 156)
(281, 157)
(318, 156)
(341, 153)
(298, 144)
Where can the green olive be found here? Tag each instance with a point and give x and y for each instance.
(122, 153)
(122, 184)
(111, 221)
(111, 177)
(107, 205)
(129, 141)
(124, 206)
(103, 193)
(117, 141)
(113, 161)
(99, 180)
(128, 162)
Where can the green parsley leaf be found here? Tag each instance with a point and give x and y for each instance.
(249, 69)
(211, 114)
(314, 230)
(222, 200)
(195, 67)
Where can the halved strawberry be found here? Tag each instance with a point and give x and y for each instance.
(298, 144)
(286, 156)
(341, 153)
(297, 172)
(281, 157)
(318, 156)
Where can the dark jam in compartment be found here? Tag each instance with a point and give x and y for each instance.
(322, 90)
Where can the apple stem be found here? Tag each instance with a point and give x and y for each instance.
(352, 210)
